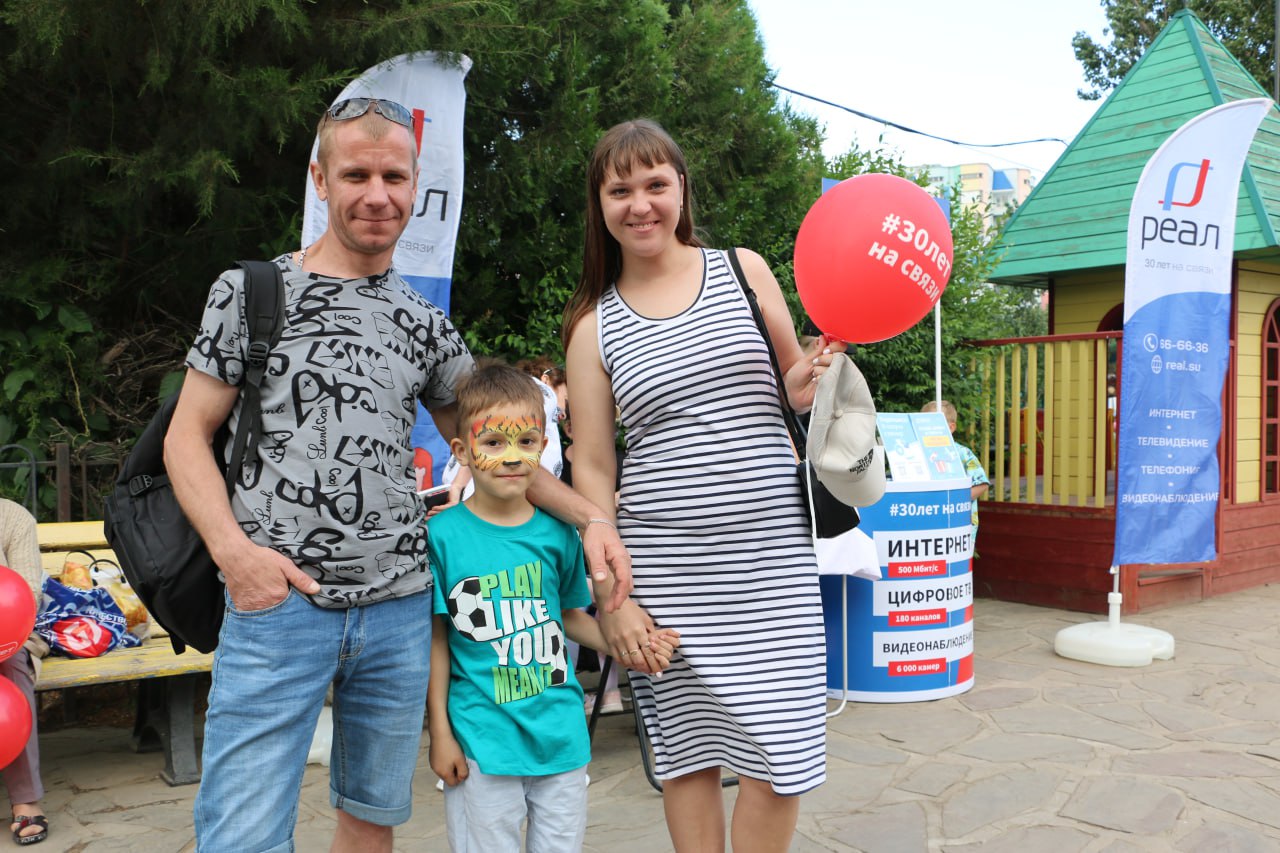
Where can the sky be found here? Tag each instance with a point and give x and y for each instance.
(981, 71)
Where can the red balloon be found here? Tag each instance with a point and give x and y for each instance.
(17, 611)
(872, 257)
(15, 721)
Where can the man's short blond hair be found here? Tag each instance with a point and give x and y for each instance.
(374, 125)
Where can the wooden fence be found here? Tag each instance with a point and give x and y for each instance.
(1046, 427)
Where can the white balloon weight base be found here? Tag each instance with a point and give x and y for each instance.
(1112, 643)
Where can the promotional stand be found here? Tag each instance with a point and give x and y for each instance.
(908, 636)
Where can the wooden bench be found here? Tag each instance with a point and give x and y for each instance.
(165, 714)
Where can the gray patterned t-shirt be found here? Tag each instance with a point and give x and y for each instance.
(332, 487)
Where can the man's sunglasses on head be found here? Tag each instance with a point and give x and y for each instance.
(356, 107)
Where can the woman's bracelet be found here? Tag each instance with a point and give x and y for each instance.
(591, 521)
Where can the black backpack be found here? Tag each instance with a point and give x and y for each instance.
(163, 557)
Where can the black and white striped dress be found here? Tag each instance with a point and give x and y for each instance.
(710, 511)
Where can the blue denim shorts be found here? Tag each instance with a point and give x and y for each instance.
(483, 813)
(270, 674)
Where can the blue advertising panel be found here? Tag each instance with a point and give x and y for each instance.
(909, 636)
(1171, 391)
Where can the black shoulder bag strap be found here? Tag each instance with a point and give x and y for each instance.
(827, 516)
(264, 312)
(798, 434)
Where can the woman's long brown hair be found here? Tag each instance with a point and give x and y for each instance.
(623, 146)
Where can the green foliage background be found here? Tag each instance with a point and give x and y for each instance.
(1245, 27)
(153, 142)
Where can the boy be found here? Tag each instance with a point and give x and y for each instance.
(977, 476)
(508, 736)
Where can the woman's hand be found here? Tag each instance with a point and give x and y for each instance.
(454, 496)
(663, 643)
(802, 378)
(627, 631)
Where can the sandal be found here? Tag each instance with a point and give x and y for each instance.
(24, 821)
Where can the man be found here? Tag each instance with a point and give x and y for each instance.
(323, 544)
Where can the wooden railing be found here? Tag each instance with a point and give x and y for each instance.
(1045, 427)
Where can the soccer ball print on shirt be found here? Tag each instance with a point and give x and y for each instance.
(507, 610)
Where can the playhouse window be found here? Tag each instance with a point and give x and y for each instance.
(1271, 401)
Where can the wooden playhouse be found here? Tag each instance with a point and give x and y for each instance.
(1046, 431)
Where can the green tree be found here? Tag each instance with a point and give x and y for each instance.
(152, 142)
(1245, 27)
(160, 141)
(699, 70)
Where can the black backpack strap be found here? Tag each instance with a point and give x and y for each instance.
(798, 433)
(264, 312)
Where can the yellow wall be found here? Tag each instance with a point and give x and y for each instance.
(1064, 463)
(1259, 286)
(1080, 302)
(975, 182)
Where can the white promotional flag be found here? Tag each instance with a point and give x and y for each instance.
(430, 85)
(1177, 308)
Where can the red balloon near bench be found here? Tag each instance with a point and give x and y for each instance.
(17, 612)
(15, 721)
(872, 258)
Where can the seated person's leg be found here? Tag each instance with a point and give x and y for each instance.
(22, 775)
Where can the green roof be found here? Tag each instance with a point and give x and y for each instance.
(1076, 219)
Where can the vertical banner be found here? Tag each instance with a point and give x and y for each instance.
(431, 86)
(1177, 307)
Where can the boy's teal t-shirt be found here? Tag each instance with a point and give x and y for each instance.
(514, 702)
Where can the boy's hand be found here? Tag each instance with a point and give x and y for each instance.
(447, 760)
(664, 642)
(665, 639)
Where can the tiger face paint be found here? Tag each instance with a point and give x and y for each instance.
(500, 440)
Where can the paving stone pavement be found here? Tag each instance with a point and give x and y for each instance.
(1043, 754)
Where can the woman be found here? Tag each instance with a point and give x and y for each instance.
(710, 505)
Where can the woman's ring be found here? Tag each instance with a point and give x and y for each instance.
(633, 652)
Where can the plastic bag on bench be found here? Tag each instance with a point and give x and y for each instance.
(91, 571)
(81, 623)
(107, 575)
